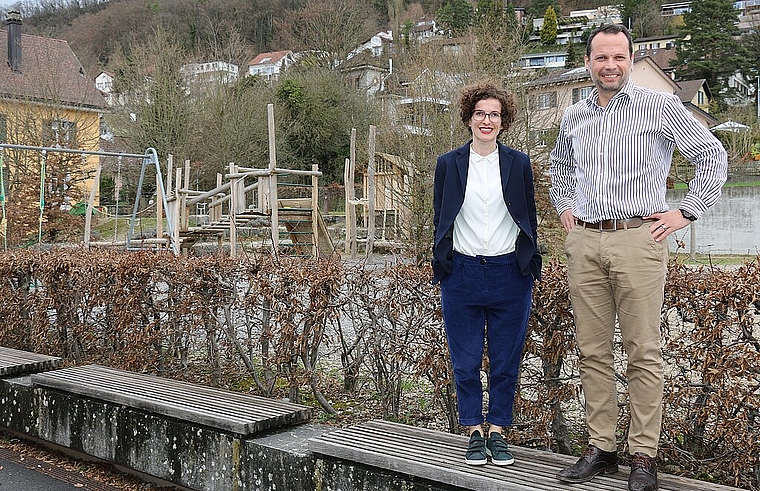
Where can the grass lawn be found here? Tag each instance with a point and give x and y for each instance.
(714, 259)
(106, 228)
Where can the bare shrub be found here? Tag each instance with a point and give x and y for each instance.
(320, 331)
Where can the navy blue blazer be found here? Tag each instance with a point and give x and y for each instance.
(517, 186)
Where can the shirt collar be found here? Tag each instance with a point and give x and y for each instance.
(493, 156)
(625, 93)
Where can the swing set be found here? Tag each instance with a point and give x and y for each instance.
(149, 159)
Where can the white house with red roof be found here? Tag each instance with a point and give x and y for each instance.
(269, 65)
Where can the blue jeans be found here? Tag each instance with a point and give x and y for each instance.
(486, 298)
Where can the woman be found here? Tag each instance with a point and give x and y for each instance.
(486, 258)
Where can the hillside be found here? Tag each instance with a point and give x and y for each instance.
(101, 31)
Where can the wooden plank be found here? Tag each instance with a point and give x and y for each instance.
(439, 457)
(17, 362)
(243, 414)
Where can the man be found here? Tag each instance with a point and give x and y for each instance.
(609, 171)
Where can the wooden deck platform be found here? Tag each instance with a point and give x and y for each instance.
(16, 362)
(439, 457)
(238, 413)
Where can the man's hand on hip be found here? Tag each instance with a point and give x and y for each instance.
(666, 223)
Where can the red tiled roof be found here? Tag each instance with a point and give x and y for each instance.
(50, 74)
(271, 57)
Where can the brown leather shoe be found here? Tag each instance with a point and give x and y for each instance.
(643, 473)
(592, 462)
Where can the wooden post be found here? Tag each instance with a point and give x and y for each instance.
(169, 171)
(692, 242)
(233, 212)
(315, 211)
(177, 205)
(273, 203)
(160, 203)
(186, 188)
(90, 204)
(351, 186)
(371, 192)
(218, 212)
(159, 213)
(349, 204)
(216, 209)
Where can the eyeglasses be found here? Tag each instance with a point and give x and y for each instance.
(479, 115)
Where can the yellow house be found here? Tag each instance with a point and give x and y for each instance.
(46, 100)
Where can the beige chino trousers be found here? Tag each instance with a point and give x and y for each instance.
(619, 274)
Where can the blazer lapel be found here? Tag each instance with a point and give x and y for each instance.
(505, 166)
(463, 162)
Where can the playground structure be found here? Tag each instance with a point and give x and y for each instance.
(248, 195)
(248, 199)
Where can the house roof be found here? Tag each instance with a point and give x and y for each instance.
(561, 76)
(653, 38)
(50, 74)
(689, 89)
(661, 56)
(269, 58)
(365, 59)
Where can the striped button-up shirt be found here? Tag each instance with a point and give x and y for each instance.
(613, 162)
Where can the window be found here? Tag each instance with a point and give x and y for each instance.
(700, 98)
(546, 100)
(61, 132)
(581, 93)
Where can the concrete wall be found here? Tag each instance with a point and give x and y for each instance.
(732, 226)
(185, 454)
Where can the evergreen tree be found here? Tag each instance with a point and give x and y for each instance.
(575, 52)
(455, 16)
(549, 29)
(708, 49)
(752, 45)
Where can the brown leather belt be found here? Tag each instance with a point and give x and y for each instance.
(612, 225)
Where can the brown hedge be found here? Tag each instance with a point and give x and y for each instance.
(339, 336)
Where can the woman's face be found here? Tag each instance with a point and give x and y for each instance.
(482, 124)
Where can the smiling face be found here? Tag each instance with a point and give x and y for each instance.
(609, 64)
(485, 131)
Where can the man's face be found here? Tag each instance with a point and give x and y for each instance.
(610, 63)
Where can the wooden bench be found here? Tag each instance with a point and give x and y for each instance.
(242, 414)
(439, 457)
(17, 362)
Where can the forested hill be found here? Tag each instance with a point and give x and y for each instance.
(100, 31)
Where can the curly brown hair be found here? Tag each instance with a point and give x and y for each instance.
(472, 94)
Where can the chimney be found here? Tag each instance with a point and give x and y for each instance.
(13, 20)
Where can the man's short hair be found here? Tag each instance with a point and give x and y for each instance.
(610, 29)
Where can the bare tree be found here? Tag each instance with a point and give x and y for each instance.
(329, 28)
(157, 110)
